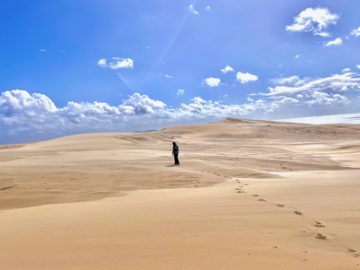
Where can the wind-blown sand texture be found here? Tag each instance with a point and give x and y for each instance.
(248, 195)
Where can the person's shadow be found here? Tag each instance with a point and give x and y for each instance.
(171, 166)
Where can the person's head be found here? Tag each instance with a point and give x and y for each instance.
(174, 143)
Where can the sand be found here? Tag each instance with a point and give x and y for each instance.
(248, 195)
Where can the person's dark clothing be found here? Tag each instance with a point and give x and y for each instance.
(176, 153)
(176, 159)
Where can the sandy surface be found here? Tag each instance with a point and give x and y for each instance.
(248, 195)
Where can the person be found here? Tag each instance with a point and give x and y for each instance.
(175, 153)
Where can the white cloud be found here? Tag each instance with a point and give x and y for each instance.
(168, 76)
(313, 20)
(346, 70)
(208, 8)
(116, 63)
(227, 69)
(42, 50)
(212, 81)
(246, 77)
(102, 63)
(293, 80)
(192, 10)
(288, 100)
(336, 42)
(321, 99)
(121, 63)
(334, 84)
(180, 92)
(355, 32)
(358, 66)
(298, 56)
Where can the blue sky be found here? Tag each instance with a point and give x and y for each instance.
(76, 66)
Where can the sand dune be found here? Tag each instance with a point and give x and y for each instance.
(248, 195)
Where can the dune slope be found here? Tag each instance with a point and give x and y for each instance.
(255, 194)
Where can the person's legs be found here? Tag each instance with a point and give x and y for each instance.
(176, 159)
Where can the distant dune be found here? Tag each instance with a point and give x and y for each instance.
(248, 195)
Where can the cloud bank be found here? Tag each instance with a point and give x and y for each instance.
(25, 113)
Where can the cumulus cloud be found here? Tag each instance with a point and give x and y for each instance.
(358, 66)
(192, 10)
(212, 81)
(168, 76)
(346, 70)
(180, 92)
(355, 32)
(297, 56)
(21, 111)
(246, 77)
(208, 8)
(227, 69)
(313, 20)
(336, 42)
(116, 63)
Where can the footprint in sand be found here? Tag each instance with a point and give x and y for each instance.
(298, 213)
(262, 200)
(319, 225)
(255, 195)
(320, 236)
(280, 205)
(353, 252)
(241, 191)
